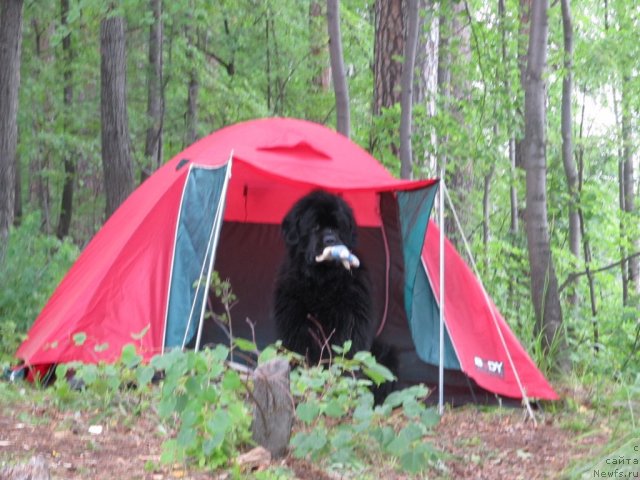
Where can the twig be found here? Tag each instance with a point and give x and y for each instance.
(572, 276)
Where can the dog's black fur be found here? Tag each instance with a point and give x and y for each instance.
(317, 305)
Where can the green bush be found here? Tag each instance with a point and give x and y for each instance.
(33, 266)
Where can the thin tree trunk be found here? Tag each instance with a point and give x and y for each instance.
(66, 205)
(319, 66)
(193, 89)
(513, 192)
(116, 149)
(624, 266)
(544, 283)
(628, 182)
(523, 36)
(155, 100)
(411, 44)
(570, 168)
(10, 49)
(454, 90)
(343, 115)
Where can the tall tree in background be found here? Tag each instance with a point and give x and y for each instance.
(10, 48)
(343, 114)
(568, 160)
(66, 204)
(411, 44)
(155, 97)
(193, 88)
(320, 69)
(454, 54)
(544, 284)
(116, 150)
(388, 50)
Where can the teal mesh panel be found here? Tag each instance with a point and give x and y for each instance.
(420, 303)
(202, 195)
(425, 325)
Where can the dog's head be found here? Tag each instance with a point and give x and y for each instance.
(316, 221)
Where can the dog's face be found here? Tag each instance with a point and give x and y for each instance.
(316, 221)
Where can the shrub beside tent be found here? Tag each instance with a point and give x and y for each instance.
(218, 206)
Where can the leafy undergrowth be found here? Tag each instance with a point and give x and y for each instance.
(195, 423)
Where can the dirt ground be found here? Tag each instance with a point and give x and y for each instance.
(479, 443)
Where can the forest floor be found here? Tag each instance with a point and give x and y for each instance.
(478, 443)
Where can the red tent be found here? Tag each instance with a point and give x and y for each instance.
(218, 204)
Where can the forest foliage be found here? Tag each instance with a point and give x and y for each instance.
(252, 59)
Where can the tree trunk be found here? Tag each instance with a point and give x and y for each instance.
(116, 149)
(570, 168)
(454, 52)
(66, 206)
(343, 115)
(193, 89)
(155, 97)
(411, 43)
(388, 48)
(523, 36)
(544, 284)
(628, 183)
(513, 192)
(319, 67)
(10, 49)
(426, 64)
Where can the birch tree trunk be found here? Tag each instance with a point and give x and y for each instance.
(116, 149)
(544, 284)
(10, 49)
(343, 115)
(411, 42)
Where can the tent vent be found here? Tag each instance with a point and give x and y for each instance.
(182, 163)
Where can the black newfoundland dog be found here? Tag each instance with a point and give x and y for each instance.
(321, 302)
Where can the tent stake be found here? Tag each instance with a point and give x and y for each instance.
(525, 398)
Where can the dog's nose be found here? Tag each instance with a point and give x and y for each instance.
(329, 239)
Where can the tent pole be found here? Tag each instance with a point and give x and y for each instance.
(441, 309)
(525, 398)
(217, 226)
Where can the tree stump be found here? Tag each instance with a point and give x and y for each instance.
(273, 412)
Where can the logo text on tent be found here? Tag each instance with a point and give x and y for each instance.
(492, 367)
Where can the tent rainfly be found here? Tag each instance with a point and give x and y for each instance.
(218, 205)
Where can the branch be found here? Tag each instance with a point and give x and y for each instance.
(572, 276)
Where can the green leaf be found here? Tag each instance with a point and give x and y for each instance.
(414, 461)
(269, 353)
(231, 381)
(430, 418)
(334, 409)
(79, 338)
(245, 345)
(144, 374)
(307, 411)
(308, 443)
(129, 357)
